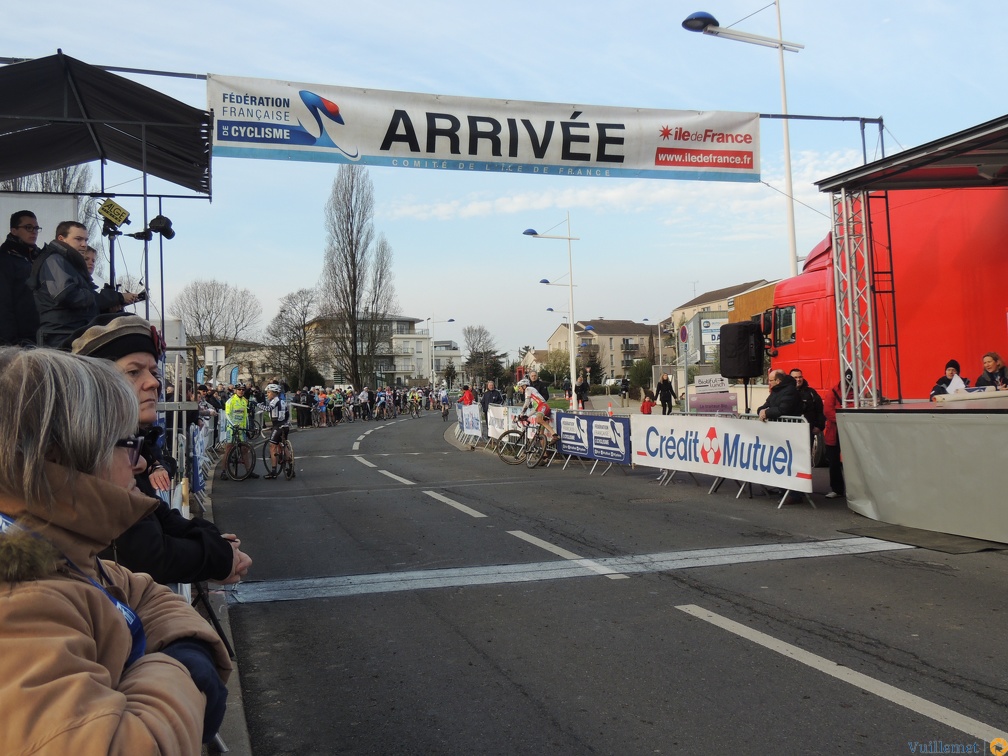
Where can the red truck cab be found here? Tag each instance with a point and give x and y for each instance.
(944, 275)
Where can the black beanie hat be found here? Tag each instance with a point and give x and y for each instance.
(952, 364)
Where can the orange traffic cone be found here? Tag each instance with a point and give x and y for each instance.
(610, 409)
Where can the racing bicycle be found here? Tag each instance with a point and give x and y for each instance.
(527, 444)
(240, 462)
(284, 459)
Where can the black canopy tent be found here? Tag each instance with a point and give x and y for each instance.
(974, 157)
(57, 111)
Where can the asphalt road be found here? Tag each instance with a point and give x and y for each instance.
(411, 596)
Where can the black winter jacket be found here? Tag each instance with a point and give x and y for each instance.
(19, 320)
(64, 293)
(166, 545)
(783, 400)
(666, 394)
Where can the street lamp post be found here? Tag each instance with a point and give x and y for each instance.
(431, 321)
(570, 295)
(660, 360)
(707, 24)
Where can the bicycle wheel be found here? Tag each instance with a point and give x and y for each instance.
(511, 447)
(536, 450)
(288, 460)
(240, 461)
(253, 427)
(267, 459)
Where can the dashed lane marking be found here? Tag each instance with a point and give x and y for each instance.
(460, 507)
(396, 477)
(563, 553)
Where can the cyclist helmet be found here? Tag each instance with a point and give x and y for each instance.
(274, 388)
(524, 383)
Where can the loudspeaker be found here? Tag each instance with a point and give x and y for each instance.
(741, 350)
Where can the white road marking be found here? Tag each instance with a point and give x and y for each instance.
(460, 577)
(362, 436)
(450, 503)
(563, 553)
(356, 445)
(396, 477)
(891, 693)
(365, 462)
(678, 560)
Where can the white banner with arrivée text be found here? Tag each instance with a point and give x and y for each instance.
(282, 120)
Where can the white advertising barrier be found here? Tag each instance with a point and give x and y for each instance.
(773, 454)
(471, 420)
(282, 120)
(501, 419)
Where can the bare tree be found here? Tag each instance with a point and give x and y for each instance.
(358, 298)
(483, 361)
(378, 310)
(557, 363)
(74, 179)
(290, 344)
(216, 313)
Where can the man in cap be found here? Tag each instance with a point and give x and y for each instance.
(166, 545)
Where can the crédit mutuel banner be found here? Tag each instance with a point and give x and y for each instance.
(262, 118)
(773, 454)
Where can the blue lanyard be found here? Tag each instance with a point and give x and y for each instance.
(139, 638)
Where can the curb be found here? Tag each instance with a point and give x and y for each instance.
(234, 729)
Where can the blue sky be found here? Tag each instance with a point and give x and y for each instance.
(928, 68)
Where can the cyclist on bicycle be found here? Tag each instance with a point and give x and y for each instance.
(381, 404)
(280, 417)
(534, 401)
(237, 413)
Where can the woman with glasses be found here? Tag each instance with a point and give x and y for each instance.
(96, 659)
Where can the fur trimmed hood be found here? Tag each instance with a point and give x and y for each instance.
(82, 518)
(25, 557)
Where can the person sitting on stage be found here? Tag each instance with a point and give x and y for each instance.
(995, 374)
(942, 384)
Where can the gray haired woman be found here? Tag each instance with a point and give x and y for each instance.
(96, 659)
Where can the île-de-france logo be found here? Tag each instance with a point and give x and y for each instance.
(324, 112)
(710, 449)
